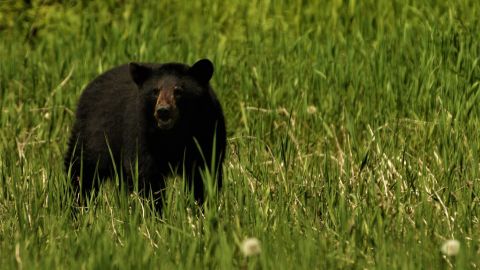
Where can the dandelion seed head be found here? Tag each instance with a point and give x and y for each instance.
(450, 247)
(250, 247)
(311, 109)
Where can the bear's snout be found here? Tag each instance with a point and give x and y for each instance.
(166, 116)
(163, 112)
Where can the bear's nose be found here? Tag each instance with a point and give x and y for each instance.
(163, 112)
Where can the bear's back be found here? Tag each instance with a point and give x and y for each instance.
(101, 112)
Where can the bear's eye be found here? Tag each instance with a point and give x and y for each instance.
(155, 91)
(177, 91)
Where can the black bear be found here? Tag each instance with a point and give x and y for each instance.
(163, 118)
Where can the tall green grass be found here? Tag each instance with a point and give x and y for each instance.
(353, 134)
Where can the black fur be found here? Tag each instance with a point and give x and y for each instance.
(117, 112)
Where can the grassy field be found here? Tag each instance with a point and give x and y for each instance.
(353, 134)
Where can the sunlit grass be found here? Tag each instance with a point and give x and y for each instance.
(353, 135)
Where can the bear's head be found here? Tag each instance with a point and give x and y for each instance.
(172, 91)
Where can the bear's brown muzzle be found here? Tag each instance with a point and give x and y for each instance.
(166, 116)
(163, 113)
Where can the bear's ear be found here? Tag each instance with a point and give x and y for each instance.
(202, 70)
(139, 73)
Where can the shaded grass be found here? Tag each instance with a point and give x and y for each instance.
(353, 134)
